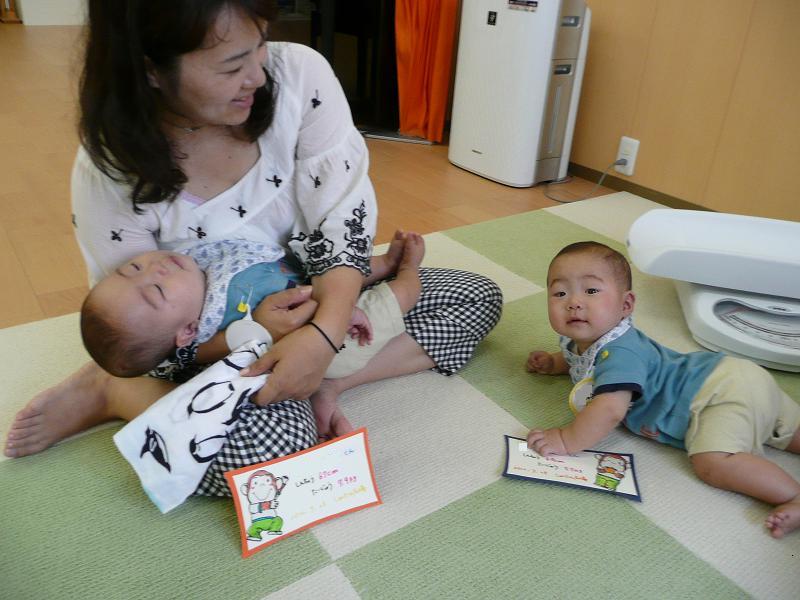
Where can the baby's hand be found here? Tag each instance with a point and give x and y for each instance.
(540, 362)
(360, 327)
(547, 442)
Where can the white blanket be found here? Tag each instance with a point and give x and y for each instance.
(171, 444)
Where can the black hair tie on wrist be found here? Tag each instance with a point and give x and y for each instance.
(325, 335)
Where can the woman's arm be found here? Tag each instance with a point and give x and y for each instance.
(336, 291)
(337, 217)
(299, 360)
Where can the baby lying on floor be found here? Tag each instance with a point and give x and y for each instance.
(722, 410)
(161, 301)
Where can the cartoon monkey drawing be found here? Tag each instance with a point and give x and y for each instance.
(611, 470)
(262, 490)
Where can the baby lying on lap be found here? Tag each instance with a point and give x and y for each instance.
(720, 409)
(161, 302)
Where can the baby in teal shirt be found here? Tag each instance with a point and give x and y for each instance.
(721, 410)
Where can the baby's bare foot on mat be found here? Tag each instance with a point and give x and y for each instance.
(784, 519)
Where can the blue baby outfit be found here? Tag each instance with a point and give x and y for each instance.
(663, 383)
(237, 266)
(256, 283)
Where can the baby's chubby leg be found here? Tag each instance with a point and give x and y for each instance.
(757, 477)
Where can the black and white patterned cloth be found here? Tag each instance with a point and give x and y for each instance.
(261, 434)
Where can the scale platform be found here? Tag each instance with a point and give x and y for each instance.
(737, 277)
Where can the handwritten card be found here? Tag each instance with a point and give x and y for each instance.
(609, 472)
(284, 496)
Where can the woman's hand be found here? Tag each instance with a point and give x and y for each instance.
(283, 312)
(307, 357)
(298, 361)
(280, 313)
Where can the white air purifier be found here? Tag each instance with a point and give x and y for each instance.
(518, 80)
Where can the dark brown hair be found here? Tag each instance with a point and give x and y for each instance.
(119, 124)
(117, 350)
(618, 263)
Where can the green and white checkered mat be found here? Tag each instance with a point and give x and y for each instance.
(76, 524)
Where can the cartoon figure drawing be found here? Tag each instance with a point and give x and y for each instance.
(262, 490)
(611, 470)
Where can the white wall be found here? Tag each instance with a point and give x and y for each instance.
(51, 12)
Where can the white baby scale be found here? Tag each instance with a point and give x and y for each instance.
(738, 279)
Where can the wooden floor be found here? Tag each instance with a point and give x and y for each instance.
(41, 269)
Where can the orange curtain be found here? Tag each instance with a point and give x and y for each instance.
(424, 33)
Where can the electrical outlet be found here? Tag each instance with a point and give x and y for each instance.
(628, 149)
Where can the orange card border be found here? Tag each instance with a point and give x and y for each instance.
(229, 475)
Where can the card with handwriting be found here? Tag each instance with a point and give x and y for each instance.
(284, 496)
(610, 472)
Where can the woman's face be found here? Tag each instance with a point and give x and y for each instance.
(215, 83)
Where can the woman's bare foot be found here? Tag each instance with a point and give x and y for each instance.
(386, 264)
(330, 420)
(340, 425)
(784, 519)
(74, 405)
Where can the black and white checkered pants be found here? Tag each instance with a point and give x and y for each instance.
(455, 311)
(260, 434)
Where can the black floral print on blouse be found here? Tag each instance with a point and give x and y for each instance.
(321, 251)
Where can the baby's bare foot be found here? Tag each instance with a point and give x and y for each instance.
(74, 405)
(386, 264)
(395, 251)
(784, 519)
(413, 252)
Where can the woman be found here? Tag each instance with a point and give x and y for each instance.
(188, 138)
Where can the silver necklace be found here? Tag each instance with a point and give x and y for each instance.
(186, 129)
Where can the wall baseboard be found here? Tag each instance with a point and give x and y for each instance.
(52, 12)
(621, 185)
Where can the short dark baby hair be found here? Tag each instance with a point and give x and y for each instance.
(117, 351)
(618, 263)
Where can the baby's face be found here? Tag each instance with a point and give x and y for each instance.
(585, 300)
(156, 291)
